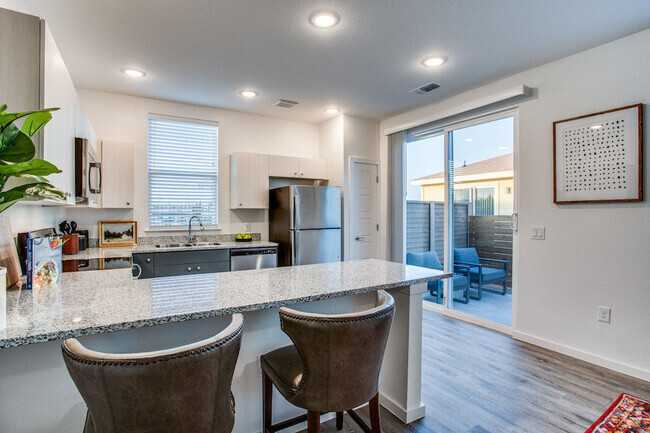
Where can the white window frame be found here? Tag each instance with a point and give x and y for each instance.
(208, 227)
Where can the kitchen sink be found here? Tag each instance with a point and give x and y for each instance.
(188, 245)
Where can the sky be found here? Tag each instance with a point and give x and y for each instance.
(471, 144)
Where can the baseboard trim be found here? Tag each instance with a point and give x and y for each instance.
(584, 356)
(406, 416)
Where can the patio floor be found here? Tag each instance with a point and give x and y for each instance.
(492, 306)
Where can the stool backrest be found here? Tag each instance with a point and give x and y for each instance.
(184, 389)
(341, 354)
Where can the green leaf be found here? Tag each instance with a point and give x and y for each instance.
(35, 167)
(3, 108)
(7, 118)
(16, 146)
(30, 191)
(35, 122)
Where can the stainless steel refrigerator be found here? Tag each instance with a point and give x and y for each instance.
(305, 221)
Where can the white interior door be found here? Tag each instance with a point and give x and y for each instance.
(364, 212)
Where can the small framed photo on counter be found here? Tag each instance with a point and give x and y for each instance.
(118, 233)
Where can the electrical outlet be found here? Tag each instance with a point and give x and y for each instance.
(604, 314)
(247, 227)
(538, 233)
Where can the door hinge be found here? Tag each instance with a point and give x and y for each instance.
(377, 179)
(377, 227)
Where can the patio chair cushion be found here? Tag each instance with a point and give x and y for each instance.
(466, 255)
(428, 259)
(460, 281)
(488, 274)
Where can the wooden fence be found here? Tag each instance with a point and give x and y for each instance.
(490, 235)
(425, 228)
(492, 238)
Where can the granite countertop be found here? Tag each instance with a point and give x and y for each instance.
(96, 302)
(110, 252)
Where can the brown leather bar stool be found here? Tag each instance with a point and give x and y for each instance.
(184, 389)
(333, 365)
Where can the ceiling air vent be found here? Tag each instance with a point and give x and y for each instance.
(285, 103)
(425, 89)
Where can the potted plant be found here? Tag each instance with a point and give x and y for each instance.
(17, 161)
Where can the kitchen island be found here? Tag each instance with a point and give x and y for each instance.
(108, 310)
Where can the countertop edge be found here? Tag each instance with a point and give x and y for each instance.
(103, 329)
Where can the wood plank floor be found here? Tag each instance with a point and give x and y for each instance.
(479, 381)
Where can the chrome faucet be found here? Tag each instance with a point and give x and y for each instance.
(189, 230)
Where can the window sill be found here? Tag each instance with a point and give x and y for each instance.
(195, 227)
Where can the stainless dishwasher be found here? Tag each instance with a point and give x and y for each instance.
(242, 259)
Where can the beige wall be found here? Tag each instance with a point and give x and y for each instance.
(504, 200)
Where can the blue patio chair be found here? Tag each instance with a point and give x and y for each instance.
(429, 259)
(479, 274)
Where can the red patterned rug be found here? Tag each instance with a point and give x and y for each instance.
(628, 414)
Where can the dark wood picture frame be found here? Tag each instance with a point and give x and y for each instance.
(639, 162)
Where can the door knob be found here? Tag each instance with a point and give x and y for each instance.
(148, 260)
(357, 238)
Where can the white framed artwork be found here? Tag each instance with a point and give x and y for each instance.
(599, 157)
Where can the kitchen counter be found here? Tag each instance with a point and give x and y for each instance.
(111, 252)
(109, 300)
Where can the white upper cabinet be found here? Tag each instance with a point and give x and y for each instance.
(292, 167)
(313, 168)
(57, 90)
(249, 181)
(117, 174)
(284, 166)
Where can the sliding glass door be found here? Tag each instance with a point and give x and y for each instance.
(460, 203)
(481, 188)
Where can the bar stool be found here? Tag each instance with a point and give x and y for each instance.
(183, 389)
(333, 365)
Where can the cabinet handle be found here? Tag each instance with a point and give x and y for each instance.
(189, 269)
(198, 268)
(148, 260)
(241, 204)
(128, 203)
(295, 174)
(302, 174)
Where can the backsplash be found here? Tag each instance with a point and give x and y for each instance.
(176, 239)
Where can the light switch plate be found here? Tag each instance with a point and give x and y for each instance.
(538, 233)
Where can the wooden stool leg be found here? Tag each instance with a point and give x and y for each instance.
(375, 423)
(339, 420)
(267, 403)
(313, 422)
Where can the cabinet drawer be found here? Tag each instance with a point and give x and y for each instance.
(211, 267)
(146, 263)
(192, 268)
(198, 256)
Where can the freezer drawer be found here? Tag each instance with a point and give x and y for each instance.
(317, 246)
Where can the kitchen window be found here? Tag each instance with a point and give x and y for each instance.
(183, 171)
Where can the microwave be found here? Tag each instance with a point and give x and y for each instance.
(88, 173)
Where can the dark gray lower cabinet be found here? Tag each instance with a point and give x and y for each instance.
(172, 263)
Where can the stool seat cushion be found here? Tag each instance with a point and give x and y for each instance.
(285, 368)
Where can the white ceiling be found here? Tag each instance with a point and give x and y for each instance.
(206, 51)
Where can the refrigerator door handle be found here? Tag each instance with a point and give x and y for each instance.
(294, 248)
(296, 206)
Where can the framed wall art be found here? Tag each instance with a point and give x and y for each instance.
(598, 158)
(118, 233)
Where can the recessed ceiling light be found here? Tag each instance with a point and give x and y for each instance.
(502, 148)
(332, 110)
(248, 93)
(324, 19)
(133, 73)
(434, 61)
(469, 139)
(596, 126)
